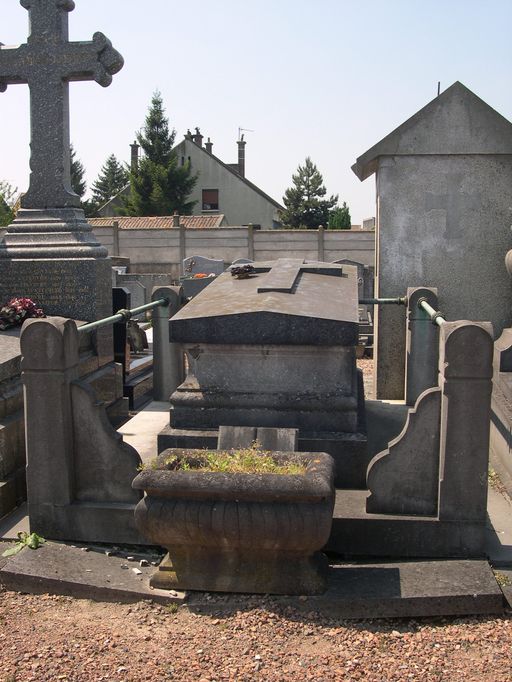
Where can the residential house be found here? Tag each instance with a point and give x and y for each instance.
(222, 188)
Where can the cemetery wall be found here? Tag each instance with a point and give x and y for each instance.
(163, 249)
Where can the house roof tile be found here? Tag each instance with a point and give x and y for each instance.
(158, 222)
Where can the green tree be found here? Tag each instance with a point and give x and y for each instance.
(77, 174)
(304, 204)
(339, 218)
(7, 202)
(112, 179)
(159, 186)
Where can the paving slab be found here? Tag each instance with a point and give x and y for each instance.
(15, 522)
(410, 589)
(356, 590)
(504, 578)
(498, 541)
(142, 430)
(58, 568)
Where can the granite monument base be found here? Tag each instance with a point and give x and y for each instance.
(78, 288)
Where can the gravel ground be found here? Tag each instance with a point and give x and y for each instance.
(60, 638)
(366, 364)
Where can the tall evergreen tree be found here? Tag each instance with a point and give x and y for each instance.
(111, 180)
(77, 174)
(7, 201)
(304, 204)
(339, 218)
(159, 186)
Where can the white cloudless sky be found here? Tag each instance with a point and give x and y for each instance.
(325, 79)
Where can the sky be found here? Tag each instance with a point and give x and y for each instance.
(325, 79)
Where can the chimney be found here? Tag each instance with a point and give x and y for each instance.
(198, 138)
(134, 164)
(208, 146)
(188, 136)
(241, 156)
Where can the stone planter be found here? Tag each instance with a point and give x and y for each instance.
(225, 532)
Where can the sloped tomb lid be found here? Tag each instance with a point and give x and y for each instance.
(288, 301)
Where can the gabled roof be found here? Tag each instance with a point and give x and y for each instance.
(230, 168)
(455, 122)
(166, 221)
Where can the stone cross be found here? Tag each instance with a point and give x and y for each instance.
(284, 273)
(47, 62)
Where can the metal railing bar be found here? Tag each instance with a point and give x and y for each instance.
(122, 315)
(383, 301)
(436, 316)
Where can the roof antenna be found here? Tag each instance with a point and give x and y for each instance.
(438, 88)
(246, 130)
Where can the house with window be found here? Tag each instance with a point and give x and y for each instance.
(221, 188)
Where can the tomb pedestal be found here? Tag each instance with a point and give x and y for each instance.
(274, 350)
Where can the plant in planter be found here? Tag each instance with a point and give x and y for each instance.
(239, 521)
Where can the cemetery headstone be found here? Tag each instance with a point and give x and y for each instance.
(49, 252)
(149, 280)
(137, 295)
(199, 265)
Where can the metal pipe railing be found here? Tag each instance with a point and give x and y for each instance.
(122, 315)
(383, 301)
(436, 316)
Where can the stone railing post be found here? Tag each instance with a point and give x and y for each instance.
(79, 470)
(168, 364)
(50, 363)
(250, 241)
(115, 238)
(321, 244)
(465, 366)
(422, 345)
(183, 245)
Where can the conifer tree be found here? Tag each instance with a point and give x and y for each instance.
(339, 218)
(7, 201)
(77, 174)
(304, 204)
(112, 179)
(159, 186)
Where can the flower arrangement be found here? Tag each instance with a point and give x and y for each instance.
(16, 311)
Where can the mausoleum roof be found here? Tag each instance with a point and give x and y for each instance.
(455, 122)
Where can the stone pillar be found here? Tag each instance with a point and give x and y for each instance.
(115, 238)
(79, 470)
(503, 352)
(183, 245)
(422, 344)
(168, 365)
(465, 366)
(321, 249)
(250, 242)
(50, 363)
